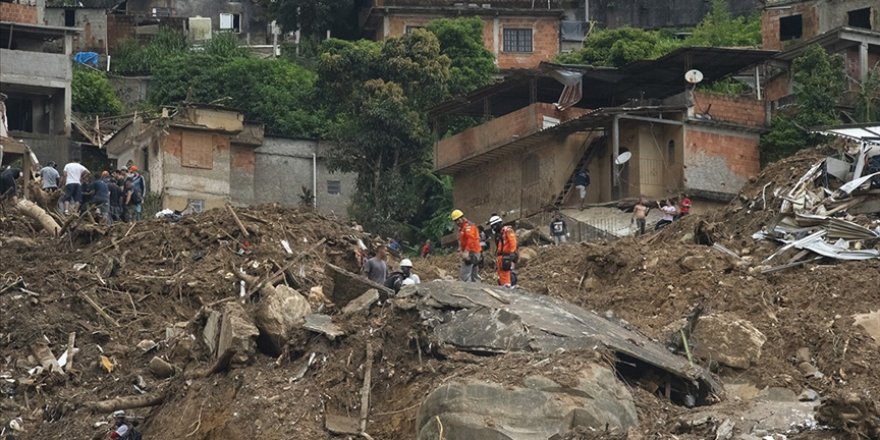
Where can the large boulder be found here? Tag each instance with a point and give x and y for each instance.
(278, 314)
(728, 340)
(237, 333)
(539, 409)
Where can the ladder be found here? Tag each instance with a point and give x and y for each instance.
(592, 150)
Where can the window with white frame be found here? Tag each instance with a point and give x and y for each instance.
(517, 40)
(230, 22)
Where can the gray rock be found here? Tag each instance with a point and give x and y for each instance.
(342, 286)
(237, 333)
(728, 340)
(361, 303)
(521, 413)
(808, 395)
(160, 368)
(725, 430)
(211, 333)
(323, 324)
(278, 314)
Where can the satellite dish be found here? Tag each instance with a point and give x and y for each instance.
(623, 158)
(693, 76)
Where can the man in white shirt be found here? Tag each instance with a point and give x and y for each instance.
(409, 277)
(72, 180)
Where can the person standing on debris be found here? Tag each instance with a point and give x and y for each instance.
(669, 212)
(640, 215)
(49, 176)
(7, 184)
(115, 196)
(505, 251)
(132, 200)
(427, 248)
(684, 206)
(558, 229)
(581, 182)
(375, 268)
(468, 246)
(101, 197)
(403, 277)
(137, 182)
(72, 179)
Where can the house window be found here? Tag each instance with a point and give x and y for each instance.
(410, 29)
(334, 187)
(70, 17)
(230, 22)
(860, 18)
(791, 28)
(517, 40)
(161, 12)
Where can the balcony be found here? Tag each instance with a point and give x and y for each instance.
(493, 135)
(35, 69)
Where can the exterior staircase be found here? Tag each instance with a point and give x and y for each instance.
(591, 151)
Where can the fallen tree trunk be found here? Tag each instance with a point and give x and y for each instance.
(33, 211)
(127, 402)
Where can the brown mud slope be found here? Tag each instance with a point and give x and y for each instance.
(155, 281)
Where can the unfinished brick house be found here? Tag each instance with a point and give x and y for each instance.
(784, 23)
(539, 132)
(520, 33)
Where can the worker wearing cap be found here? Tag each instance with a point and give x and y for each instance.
(121, 430)
(409, 277)
(468, 246)
(505, 251)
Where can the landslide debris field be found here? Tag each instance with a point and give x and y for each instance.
(202, 329)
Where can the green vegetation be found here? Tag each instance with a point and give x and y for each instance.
(92, 93)
(132, 57)
(819, 80)
(461, 39)
(868, 101)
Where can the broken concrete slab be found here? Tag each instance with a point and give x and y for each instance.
(237, 333)
(465, 316)
(323, 324)
(361, 303)
(341, 424)
(538, 410)
(279, 313)
(342, 286)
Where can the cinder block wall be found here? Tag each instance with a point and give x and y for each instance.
(17, 13)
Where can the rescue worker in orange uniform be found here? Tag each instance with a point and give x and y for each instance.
(469, 246)
(505, 251)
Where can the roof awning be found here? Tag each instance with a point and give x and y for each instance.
(869, 133)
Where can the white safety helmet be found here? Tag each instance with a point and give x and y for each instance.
(408, 282)
(494, 220)
(119, 414)
(405, 263)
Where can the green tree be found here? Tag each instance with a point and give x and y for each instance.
(461, 39)
(720, 29)
(92, 93)
(819, 80)
(273, 91)
(616, 47)
(378, 94)
(313, 18)
(868, 102)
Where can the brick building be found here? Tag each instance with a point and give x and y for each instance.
(22, 11)
(784, 23)
(521, 34)
(539, 133)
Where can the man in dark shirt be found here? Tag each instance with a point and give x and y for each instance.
(133, 200)
(115, 198)
(101, 197)
(7, 184)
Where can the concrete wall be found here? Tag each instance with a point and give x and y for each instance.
(123, 27)
(18, 13)
(35, 68)
(132, 90)
(283, 166)
(819, 16)
(506, 186)
(497, 132)
(49, 147)
(181, 181)
(719, 160)
(241, 179)
(545, 35)
(93, 22)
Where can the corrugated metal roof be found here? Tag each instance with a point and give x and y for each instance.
(869, 133)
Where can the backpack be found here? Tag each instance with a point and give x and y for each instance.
(395, 281)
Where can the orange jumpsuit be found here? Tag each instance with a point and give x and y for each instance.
(469, 241)
(506, 245)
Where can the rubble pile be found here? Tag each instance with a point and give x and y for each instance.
(253, 323)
